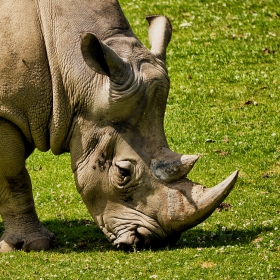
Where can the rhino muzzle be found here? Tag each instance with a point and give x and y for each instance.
(134, 229)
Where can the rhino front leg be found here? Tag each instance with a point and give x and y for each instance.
(23, 229)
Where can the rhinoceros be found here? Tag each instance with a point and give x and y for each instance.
(74, 78)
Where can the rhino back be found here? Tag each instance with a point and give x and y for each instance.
(25, 88)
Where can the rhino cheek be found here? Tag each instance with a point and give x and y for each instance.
(90, 184)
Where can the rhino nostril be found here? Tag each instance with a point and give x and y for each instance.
(131, 241)
(123, 172)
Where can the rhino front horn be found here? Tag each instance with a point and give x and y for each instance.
(212, 197)
(191, 203)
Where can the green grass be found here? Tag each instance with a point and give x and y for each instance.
(225, 82)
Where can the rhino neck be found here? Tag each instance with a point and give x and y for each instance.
(71, 78)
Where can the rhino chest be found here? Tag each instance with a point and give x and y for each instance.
(25, 88)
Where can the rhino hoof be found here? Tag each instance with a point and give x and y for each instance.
(39, 245)
(5, 247)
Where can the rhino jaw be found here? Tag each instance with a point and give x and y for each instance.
(129, 228)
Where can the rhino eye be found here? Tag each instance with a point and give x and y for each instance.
(125, 169)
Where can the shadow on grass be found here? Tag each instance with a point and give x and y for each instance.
(85, 235)
(198, 238)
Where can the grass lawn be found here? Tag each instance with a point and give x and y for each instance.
(224, 104)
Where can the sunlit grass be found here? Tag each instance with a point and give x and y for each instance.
(224, 66)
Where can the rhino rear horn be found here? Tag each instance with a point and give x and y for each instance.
(102, 59)
(173, 168)
(160, 31)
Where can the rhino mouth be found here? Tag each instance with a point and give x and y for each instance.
(138, 232)
(142, 238)
(134, 239)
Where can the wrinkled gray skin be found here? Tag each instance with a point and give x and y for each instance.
(74, 78)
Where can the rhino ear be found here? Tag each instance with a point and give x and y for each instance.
(103, 60)
(94, 54)
(160, 31)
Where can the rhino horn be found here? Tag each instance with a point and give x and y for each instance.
(175, 167)
(103, 60)
(160, 31)
(192, 203)
(211, 198)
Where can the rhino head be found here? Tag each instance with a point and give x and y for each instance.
(133, 185)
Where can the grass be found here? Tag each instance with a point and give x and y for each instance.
(223, 62)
